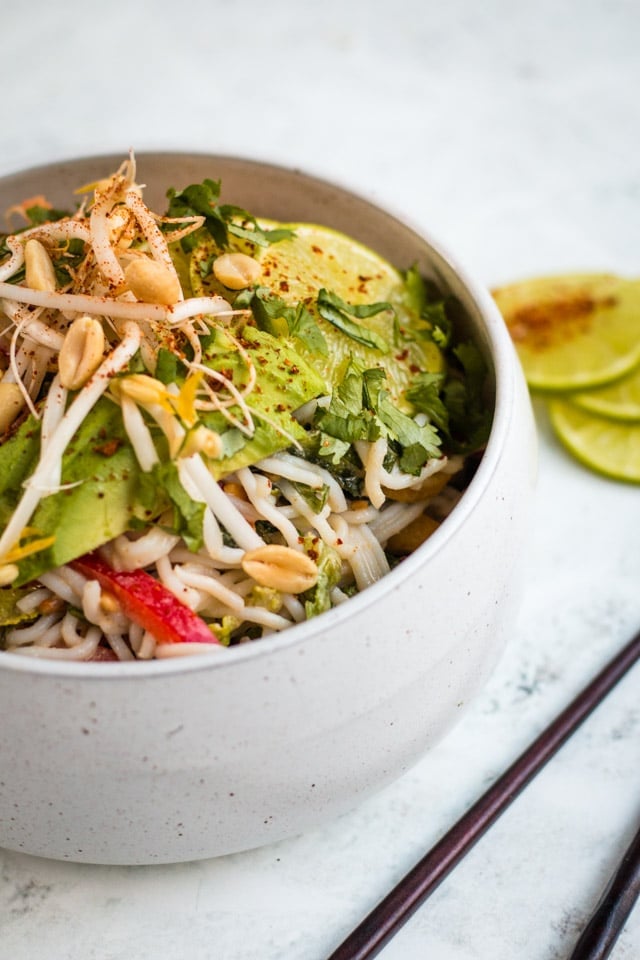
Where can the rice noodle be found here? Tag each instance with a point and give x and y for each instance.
(284, 498)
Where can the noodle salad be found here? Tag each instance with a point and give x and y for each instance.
(212, 427)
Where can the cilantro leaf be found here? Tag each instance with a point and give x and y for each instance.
(304, 327)
(253, 232)
(318, 598)
(38, 214)
(313, 497)
(188, 514)
(469, 415)
(419, 443)
(220, 220)
(201, 200)
(338, 312)
(424, 394)
(275, 316)
(360, 409)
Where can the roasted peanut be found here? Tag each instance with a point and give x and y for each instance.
(81, 352)
(152, 281)
(39, 272)
(236, 270)
(11, 403)
(282, 568)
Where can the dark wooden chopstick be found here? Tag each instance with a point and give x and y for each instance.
(615, 905)
(394, 910)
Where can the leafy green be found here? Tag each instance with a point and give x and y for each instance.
(169, 368)
(280, 319)
(314, 497)
(419, 443)
(162, 483)
(318, 598)
(428, 304)
(425, 395)
(464, 396)
(360, 409)
(220, 220)
(338, 312)
(346, 417)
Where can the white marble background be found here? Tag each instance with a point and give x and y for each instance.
(511, 131)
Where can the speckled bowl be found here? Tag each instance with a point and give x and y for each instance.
(196, 757)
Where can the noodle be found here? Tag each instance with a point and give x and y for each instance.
(246, 551)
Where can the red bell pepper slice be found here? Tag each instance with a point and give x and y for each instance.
(147, 602)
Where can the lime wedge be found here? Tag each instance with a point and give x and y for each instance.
(619, 400)
(607, 446)
(573, 332)
(318, 257)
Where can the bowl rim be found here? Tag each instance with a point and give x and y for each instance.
(505, 372)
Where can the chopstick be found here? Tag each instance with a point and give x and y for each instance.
(377, 928)
(615, 905)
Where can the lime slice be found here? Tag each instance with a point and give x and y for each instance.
(619, 400)
(607, 446)
(317, 257)
(573, 332)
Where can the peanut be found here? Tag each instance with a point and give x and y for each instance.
(282, 568)
(152, 281)
(236, 270)
(39, 272)
(11, 403)
(81, 352)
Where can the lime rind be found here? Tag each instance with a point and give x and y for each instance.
(610, 447)
(619, 400)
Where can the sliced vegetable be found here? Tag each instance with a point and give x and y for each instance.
(147, 602)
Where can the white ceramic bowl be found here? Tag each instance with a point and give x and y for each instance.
(182, 759)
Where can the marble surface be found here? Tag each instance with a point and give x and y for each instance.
(511, 131)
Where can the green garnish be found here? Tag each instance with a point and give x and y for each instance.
(338, 312)
(220, 220)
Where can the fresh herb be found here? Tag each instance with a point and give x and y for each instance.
(425, 396)
(220, 220)
(318, 598)
(188, 514)
(339, 313)
(426, 301)
(464, 396)
(280, 319)
(360, 409)
(169, 368)
(39, 214)
(314, 497)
